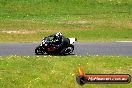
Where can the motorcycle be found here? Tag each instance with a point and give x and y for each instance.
(49, 46)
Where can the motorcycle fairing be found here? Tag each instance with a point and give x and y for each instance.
(72, 40)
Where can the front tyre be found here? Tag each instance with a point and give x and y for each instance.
(39, 51)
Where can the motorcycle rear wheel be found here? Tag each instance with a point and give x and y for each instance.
(68, 50)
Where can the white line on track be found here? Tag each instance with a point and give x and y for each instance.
(123, 41)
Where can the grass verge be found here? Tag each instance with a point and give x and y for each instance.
(59, 72)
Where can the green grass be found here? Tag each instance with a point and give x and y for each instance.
(88, 20)
(59, 72)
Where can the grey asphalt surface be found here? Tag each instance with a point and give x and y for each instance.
(83, 49)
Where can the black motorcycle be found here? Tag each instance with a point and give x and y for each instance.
(51, 47)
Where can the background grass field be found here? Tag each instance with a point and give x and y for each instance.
(59, 72)
(88, 20)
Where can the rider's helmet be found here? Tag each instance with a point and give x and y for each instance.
(58, 36)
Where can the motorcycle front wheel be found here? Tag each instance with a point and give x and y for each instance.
(39, 51)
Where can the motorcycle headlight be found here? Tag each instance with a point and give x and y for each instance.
(46, 44)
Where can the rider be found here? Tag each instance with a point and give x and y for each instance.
(57, 40)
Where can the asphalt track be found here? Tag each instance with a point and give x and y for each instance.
(81, 49)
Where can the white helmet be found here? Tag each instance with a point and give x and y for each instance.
(59, 34)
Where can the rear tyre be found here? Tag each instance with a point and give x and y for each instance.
(68, 50)
(39, 51)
